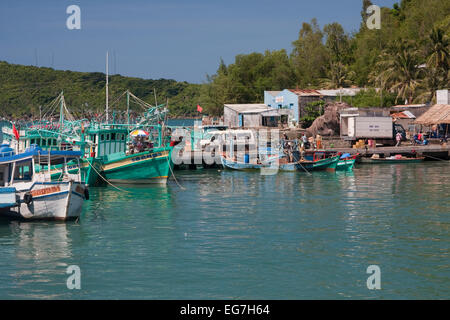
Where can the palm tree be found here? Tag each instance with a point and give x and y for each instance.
(338, 76)
(401, 71)
(438, 53)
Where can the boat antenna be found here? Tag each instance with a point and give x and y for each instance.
(107, 83)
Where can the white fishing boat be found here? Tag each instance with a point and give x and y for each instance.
(29, 195)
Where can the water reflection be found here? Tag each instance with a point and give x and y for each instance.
(40, 253)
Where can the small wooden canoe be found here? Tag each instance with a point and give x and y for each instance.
(392, 161)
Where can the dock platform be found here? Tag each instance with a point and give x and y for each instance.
(441, 152)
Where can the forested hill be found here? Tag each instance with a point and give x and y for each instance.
(24, 88)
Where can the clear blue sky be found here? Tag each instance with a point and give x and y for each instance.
(175, 39)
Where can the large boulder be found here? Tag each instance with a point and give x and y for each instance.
(329, 123)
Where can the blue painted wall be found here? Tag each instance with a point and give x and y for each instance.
(289, 101)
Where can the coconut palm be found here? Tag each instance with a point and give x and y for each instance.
(439, 56)
(401, 71)
(338, 76)
(439, 52)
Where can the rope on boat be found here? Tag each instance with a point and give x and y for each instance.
(434, 158)
(304, 168)
(104, 179)
(173, 174)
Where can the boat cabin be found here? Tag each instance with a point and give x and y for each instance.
(106, 140)
(19, 170)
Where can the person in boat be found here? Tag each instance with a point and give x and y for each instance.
(319, 141)
(311, 142)
(302, 153)
(304, 141)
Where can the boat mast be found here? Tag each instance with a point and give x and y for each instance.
(128, 108)
(107, 83)
(61, 120)
(61, 111)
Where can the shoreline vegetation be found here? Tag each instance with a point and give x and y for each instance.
(407, 60)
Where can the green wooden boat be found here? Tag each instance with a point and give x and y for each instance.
(152, 166)
(346, 164)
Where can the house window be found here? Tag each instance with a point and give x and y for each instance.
(102, 137)
(113, 136)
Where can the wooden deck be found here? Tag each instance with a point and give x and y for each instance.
(430, 151)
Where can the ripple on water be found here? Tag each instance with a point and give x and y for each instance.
(232, 235)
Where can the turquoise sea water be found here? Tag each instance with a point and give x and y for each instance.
(241, 235)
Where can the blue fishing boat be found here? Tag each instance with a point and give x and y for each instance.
(29, 195)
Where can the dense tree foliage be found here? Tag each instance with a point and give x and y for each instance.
(408, 59)
(25, 88)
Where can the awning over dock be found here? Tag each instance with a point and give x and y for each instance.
(437, 114)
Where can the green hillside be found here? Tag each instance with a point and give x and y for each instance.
(24, 88)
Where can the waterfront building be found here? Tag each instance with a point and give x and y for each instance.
(297, 99)
(254, 115)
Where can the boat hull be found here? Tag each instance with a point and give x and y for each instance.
(50, 201)
(343, 165)
(142, 168)
(328, 164)
(235, 165)
(391, 161)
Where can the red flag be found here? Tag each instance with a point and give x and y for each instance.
(199, 109)
(16, 133)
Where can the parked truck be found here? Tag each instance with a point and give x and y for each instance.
(382, 129)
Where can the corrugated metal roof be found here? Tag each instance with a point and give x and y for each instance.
(403, 115)
(273, 93)
(305, 92)
(248, 108)
(338, 92)
(410, 106)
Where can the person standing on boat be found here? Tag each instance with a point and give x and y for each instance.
(398, 137)
(304, 141)
(319, 141)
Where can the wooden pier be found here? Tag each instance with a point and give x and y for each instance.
(441, 152)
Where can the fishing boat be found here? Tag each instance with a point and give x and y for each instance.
(146, 160)
(285, 157)
(64, 134)
(29, 195)
(392, 160)
(295, 158)
(311, 161)
(346, 162)
(247, 164)
(244, 152)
